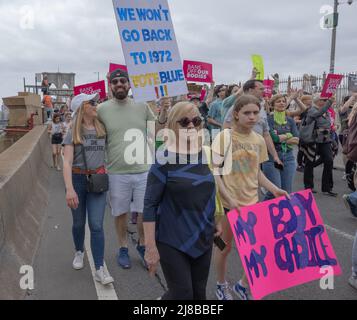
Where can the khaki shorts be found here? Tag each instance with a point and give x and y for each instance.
(127, 192)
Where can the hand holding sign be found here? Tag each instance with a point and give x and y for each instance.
(282, 243)
(258, 64)
(333, 81)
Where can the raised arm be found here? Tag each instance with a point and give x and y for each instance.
(349, 102)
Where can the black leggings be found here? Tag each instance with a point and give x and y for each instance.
(186, 277)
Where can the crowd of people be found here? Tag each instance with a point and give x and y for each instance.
(234, 149)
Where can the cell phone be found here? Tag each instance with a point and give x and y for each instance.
(278, 166)
(218, 241)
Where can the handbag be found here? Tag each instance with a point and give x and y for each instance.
(308, 132)
(96, 183)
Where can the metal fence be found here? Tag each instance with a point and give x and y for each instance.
(313, 84)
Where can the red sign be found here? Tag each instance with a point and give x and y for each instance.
(198, 71)
(333, 81)
(113, 67)
(92, 88)
(268, 88)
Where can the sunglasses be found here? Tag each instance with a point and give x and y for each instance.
(92, 103)
(122, 81)
(185, 122)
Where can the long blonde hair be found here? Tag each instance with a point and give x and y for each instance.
(78, 127)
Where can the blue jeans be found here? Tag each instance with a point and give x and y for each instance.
(283, 179)
(94, 204)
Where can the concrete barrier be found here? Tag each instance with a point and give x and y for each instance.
(24, 181)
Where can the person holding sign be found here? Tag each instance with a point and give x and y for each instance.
(127, 175)
(179, 212)
(320, 116)
(240, 152)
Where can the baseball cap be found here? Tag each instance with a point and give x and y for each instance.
(118, 74)
(77, 101)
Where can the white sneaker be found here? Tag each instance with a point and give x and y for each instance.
(103, 277)
(78, 260)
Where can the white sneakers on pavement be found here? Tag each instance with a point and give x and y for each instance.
(100, 275)
(78, 260)
(103, 277)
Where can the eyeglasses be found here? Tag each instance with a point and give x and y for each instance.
(185, 122)
(122, 81)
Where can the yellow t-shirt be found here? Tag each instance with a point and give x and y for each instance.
(241, 165)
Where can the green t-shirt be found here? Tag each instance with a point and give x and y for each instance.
(127, 130)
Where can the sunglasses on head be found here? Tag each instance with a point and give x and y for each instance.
(122, 81)
(185, 122)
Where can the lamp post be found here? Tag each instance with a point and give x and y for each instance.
(334, 33)
(97, 74)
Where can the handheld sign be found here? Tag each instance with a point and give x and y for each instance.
(282, 243)
(268, 88)
(114, 66)
(258, 63)
(91, 88)
(198, 71)
(150, 49)
(332, 82)
(352, 82)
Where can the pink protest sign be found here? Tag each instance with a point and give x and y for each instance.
(333, 81)
(91, 88)
(198, 71)
(282, 243)
(268, 88)
(114, 66)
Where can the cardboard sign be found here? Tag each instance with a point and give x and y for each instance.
(352, 82)
(333, 81)
(150, 49)
(268, 88)
(92, 88)
(198, 71)
(114, 66)
(258, 63)
(283, 243)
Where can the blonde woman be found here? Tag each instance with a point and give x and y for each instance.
(86, 138)
(179, 208)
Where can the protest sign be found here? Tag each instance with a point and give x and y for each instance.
(332, 82)
(91, 88)
(268, 88)
(198, 71)
(114, 66)
(282, 243)
(352, 83)
(258, 64)
(150, 49)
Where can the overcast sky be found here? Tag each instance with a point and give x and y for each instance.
(81, 36)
